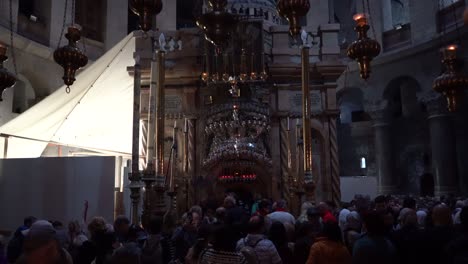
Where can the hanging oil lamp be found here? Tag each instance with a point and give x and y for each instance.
(70, 57)
(293, 11)
(453, 81)
(7, 79)
(364, 49)
(217, 24)
(145, 10)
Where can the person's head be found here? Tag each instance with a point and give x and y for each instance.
(388, 218)
(224, 238)
(332, 231)
(264, 205)
(374, 223)
(193, 220)
(128, 254)
(41, 244)
(306, 229)
(97, 226)
(305, 206)
(409, 202)
(256, 225)
(408, 217)
(421, 215)
(136, 234)
(121, 225)
(28, 221)
(331, 205)
(57, 224)
(380, 203)
(74, 227)
(281, 205)
(441, 215)
(220, 214)
(197, 209)
(353, 221)
(464, 218)
(277, 233)
(323, 208)
(313, 215)
(155, 225)
(229, 202)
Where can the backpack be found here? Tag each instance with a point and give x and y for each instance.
(249, 252)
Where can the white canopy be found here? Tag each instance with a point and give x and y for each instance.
(96, 114)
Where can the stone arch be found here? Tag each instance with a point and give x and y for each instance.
(351, 105)
(24, 95)
(409, 133)
(401, 95)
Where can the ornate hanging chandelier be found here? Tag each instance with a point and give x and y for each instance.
(452, 82)
(293, 10)
(70, 57)
(7, 79)
(217, 24)
(364, 49)
(145, 10)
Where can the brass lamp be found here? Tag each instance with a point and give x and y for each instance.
(293, 10)
(364, 49)
(453, 81)
(7, 79)
(146, 9)
(70, 57)
(217, 24)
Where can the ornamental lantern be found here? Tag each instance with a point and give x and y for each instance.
(146, 9)
(364, 49)
(7, 79)
(70, 57)
(217, 24)
(293, 10)
(453, 81)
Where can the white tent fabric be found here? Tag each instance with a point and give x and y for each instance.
(96, 114)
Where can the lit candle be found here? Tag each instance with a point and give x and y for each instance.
(360, 19)
(297, 121)
(288, 126)
(186, 126)
(450, 52)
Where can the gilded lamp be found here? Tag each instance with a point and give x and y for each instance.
(217, 24)
(452, 82)
(70, 57)
(293, 11)
(7, 79)
(146, 9)
(364, 49)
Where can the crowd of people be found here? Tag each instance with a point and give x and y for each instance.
(384, 230)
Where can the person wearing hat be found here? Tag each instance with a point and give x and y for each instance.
(41, 245)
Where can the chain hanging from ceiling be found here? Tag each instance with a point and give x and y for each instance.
(70, 57)
(7, 79)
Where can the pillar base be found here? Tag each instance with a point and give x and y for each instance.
(445, 190)
(384, 190)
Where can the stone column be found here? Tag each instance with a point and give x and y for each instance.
(387, 181)
(442, 139)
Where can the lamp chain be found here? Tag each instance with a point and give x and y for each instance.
(12, 50)
(63, 25)
(371, 22)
